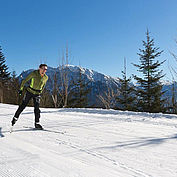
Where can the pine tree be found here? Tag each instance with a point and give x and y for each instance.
(149, 90)
(4, 74)
(13, 97)
(78, 96)
(126, 96)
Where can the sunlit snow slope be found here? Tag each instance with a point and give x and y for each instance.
(88, 143)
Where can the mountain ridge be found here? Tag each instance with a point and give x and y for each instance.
(98, 82)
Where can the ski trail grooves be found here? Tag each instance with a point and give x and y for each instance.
(39, 158)
(44, 163)
(17, 162)
(118, 166)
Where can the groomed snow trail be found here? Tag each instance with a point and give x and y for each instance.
(95, 143)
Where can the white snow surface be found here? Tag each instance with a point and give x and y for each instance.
(88, 143)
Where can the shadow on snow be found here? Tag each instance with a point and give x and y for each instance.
(141, 142)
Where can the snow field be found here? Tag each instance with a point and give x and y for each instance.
(95, 143)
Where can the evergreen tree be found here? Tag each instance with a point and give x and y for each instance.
(149, 90)
(126, 96)
(4, 77)
(4, 74)
(13, 97)
(78, 96)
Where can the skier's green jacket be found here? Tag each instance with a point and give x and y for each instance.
(38, 82)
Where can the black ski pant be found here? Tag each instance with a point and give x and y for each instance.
(26, 99)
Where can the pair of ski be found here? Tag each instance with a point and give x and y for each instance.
(28, 128)
(11, 128)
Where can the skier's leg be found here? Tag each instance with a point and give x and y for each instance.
(36, 100)
(37, 111)
(26, 100)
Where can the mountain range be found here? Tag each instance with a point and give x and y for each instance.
(98, 83)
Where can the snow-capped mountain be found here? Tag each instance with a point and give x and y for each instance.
(90, 75)
(96, 82)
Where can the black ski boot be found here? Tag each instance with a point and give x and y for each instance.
(38, 126)
(14, 120)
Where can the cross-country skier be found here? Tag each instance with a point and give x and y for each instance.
(38, 81)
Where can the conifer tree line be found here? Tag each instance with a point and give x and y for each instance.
(145, 96)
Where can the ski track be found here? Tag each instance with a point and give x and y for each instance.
(95, 143)
(103, 157)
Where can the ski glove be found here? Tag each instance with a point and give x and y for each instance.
(20, 92)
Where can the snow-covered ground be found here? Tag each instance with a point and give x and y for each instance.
(88, 143)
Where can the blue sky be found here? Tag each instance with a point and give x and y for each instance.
(99, 33)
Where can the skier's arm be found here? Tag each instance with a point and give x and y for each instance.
(26, 80)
